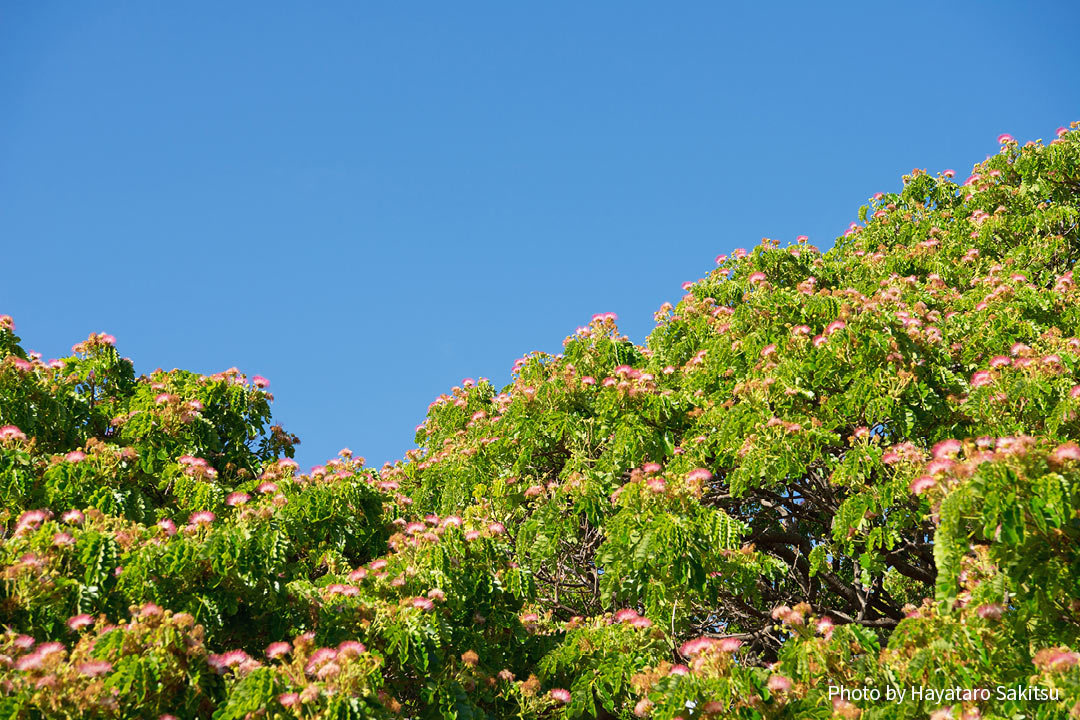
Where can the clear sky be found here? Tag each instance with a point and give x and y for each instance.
(366, 202)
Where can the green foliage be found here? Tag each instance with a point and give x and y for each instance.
(852, 469)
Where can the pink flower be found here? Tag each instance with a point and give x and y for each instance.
(981, 378)
(1000, 361)
(10, 432)
(1065, 452)
(729, 645)
(276, 650)
(150, 610)
(260, 382)
(471, 535)
(237, 498)
(422, 603)
(679, 669)
(949, 173)
(656, 484)
(168, 526)
(204, 517)
(702, 474)
(288, 699)
(63, 539)
(73, 517)
(921, 484)
(75, 456)
(560, 695)
(779, 683)
(991, 611)
(947, 449)
(768, 350)
(756, 277)
(1005, 138)
(691, 648)
(163, 398)
(78, 622)
(94, 668)
(350, 648)
(497, 528)
(834, 326)
(266, 487)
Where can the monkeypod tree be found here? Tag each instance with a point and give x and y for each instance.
(824, 478)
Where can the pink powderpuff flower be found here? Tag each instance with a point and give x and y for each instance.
(534, 491)
(626, 615)
(168, 526)
(779, 683)
(643, 707)
(729, 645)
(588, 380)
(73, 517)
(319, 658)
(768, 350)
(756, 278)
(472, 535)
(93, 668)
(63, 539)
(237, 498)
(721, 259)
(656, 484)
(981, 378)
(799, 330)
(949, 173)
(990, 611)
(75, 456)
(1065, 452)
(702, 474)
(451, 521)
(1058, 659)
(288, 699)
(423, 603)
(560, 695)
(78, 622)
(692, 648)
(921, 484)
(825, 626)
(947, 449)
(351, 648)
(260, 382)
(266, 488)
(202, 517)
(1005, 138)
(651, 467)
(679, 669)
(999, 361)
(163, 398)
(10, 432)
(497, 528)
(278, 649)
(834, 326)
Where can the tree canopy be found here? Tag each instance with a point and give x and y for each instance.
(824, 478)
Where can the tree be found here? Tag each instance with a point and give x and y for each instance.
(826, 477)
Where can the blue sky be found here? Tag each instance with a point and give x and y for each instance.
(368, 202)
